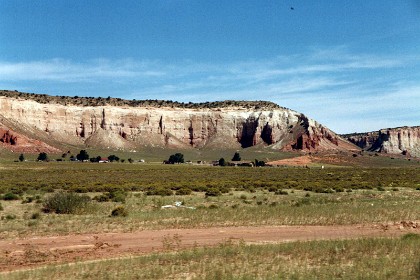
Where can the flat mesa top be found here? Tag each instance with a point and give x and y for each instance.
(110, 101)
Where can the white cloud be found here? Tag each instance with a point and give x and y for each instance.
(66, 71)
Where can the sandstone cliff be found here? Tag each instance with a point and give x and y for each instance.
(401, 140)
(214, 125)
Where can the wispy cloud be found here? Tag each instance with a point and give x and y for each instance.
(332, 85)
(67, 71)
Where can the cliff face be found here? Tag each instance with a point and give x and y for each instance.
(125, 127)
(401, 140)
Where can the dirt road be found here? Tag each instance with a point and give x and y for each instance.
(37, 251)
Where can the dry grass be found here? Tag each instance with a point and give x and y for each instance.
(250, 196)
(230, 209)
(344, 259)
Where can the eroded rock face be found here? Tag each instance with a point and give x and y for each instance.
(17, 142)
(401, 140)
(363, 140)
(130, 127)
(7, 137)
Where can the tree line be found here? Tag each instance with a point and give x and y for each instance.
(176, 158)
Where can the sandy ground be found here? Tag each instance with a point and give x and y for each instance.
(296, 161)
(308, 160)
(38, 251)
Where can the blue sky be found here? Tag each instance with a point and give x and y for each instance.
(352, 65)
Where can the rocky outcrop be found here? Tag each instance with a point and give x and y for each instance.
(401, 140)
(17, 142)
(128, 127)
(363, 140)
(7, 137)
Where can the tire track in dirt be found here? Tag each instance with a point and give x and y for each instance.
(37, 251)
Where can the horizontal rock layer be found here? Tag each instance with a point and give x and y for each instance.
(125, 127)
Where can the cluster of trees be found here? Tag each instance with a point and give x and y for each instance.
(179, 158)
(81, 156)
(236, 157)
(42, 157)
(173, 159)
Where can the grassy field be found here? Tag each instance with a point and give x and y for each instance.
(370, 258)
(218, 196)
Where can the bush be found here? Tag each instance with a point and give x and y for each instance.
(10, 196)
(411, 236)
(176, 158)
(213, 192)
(28, 199)
(114, 196)
(259, 163)
(183, 191)
(303, 201)
(66, 203)
(102, 198)
(35, 216)
(159, 191)
(10, 217)
(113, 158)
(119, 211)
(281, 192)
